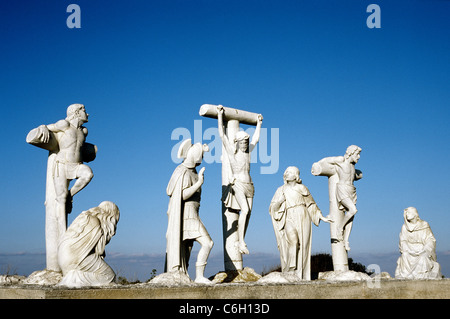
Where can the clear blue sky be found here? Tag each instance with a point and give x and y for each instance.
(314, 70)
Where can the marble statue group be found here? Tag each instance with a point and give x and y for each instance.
(77, 251)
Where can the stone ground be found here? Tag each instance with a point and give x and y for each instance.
(272, 286)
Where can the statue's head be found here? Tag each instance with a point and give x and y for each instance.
(352, 153)
(108, 214)
(242, 141)
(77, 111)
(411, 214)
(292, 174)
(192, 153)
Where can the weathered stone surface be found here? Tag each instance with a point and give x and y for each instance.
(11, 279)
(280, 278)
(172, 278)
(236, 276)
(349, 275)
(43, 278)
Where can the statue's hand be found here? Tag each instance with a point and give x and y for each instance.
(327, 219)
(200, 175)
(260, 118)
(220, 109)
(45, 133)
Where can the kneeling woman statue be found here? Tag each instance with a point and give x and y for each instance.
(418, 249)
(82, 247)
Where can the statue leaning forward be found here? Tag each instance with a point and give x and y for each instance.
(81, 251)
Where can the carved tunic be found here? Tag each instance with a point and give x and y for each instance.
(184, 222)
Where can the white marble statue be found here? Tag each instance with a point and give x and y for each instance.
(418, 249)
(341, 174)
(184, 224)
(237, 186)
(292, 210)
(238, 195)
(81, 251)
(65, 141)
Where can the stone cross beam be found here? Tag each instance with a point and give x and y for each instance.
(232, 118)
(229, 114)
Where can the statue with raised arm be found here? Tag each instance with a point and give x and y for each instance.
(236, 149)
(341, 174)
(184, 224)
(293, 210)
(65, 141)
(238, 195)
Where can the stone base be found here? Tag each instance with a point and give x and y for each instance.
(316, 289)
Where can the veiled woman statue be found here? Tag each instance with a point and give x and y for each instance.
(417, 248)
(81, 251)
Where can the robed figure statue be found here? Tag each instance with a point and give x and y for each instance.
(418, 248)
(293, 209)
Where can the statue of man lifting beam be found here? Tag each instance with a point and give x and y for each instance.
(237, 185)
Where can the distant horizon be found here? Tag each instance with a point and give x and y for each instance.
(140, 265)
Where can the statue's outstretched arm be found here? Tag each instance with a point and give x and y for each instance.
(222, 135)
(256, 135)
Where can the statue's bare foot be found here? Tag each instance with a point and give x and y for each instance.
(202, 280)
(243, 248)
(347, 245)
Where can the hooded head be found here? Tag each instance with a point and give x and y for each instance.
(108, 214)
(412, 220)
